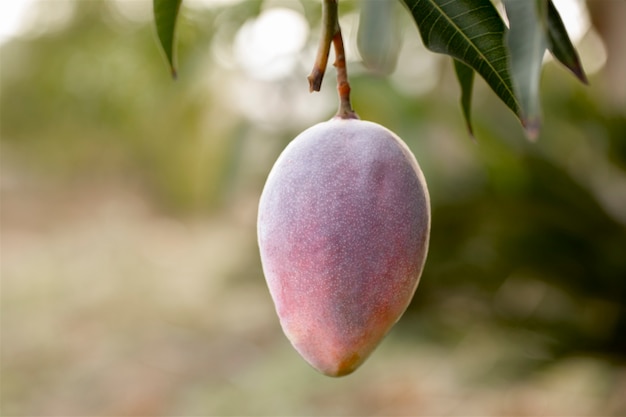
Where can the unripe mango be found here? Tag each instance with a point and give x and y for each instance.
(343, 227)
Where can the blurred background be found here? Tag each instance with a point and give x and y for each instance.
(131, 281)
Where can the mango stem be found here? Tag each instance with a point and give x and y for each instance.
(343, 85)
(331, 33)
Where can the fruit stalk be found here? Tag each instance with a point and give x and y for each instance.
(343, 86)
(331, 33)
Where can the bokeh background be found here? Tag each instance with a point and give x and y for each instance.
(131, 281)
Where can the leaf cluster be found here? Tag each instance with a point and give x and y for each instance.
(472, 32)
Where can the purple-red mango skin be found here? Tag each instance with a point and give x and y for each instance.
(343, 228)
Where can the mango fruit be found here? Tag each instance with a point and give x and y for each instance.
(343, 228)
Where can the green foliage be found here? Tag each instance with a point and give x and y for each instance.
(470, 31)
(465, 76)
(378, 38)
(527, 44)
(165, 15)
(560, 44)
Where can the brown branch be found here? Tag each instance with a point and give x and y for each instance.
(330, 25)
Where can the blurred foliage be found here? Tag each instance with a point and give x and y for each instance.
(99, 83)
(528, 239)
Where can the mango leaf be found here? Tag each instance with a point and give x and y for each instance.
(165, 15)
(527, 45)
(465, 75)
(378, 37)
(560, 44)
(473, 32)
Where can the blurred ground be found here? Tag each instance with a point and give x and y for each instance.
(110, 308)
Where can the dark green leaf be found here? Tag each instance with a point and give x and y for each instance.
(527, 45)
(471, 31)
(560, 44)
(465, 75)
(378, 38)
(165, 14)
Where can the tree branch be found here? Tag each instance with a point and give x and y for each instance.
(330, 25)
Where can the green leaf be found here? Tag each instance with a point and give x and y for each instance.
(378, 37)
(561, 46)
(527, 45)
(165, 14)
(465, 75)
(473, 32)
